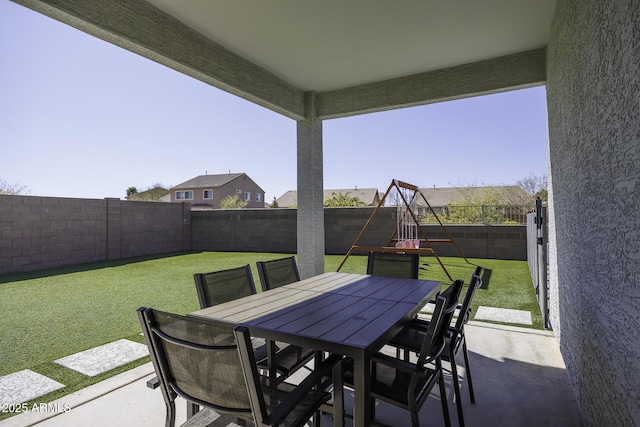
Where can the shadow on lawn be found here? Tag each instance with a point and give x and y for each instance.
(486, 276)
(468, 267)
(87, 267)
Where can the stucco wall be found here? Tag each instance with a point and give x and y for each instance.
(594, 130)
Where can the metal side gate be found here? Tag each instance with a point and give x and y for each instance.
(537, 256)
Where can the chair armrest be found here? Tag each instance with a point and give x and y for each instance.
(418, 324)
(153, 383)
(207, 417)
(394, 362)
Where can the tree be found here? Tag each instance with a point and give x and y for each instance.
(534, 185)
(343, 200)
(274, 204)
(233, 202)
(543, 194)
(12, 189)
(131, 191)
(475, 207)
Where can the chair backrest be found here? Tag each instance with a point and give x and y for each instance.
(465, 308)
(253, 381)
(198, 360)
(392, 264)
(435, 339)
(278, 272)
(221, 286)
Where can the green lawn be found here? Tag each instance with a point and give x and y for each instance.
(50, 314)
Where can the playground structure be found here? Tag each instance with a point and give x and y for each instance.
(408, 236)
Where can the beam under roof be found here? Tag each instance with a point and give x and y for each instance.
(517, 71)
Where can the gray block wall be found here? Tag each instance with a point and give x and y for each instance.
(46, 232)
(249, 230)
(149, 228)
(274, 230)
(593, 94)
(481, 241)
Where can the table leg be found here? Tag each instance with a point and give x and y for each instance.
(362, 390)
(338, 395)
(271, 358)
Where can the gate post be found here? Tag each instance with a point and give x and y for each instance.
(543, 285)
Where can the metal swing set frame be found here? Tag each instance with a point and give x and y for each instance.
(394, 244)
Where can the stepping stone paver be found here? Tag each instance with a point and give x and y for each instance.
(23, 386)
(105, 357)
(503, 315)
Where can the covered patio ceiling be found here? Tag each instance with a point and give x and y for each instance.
(357, 56)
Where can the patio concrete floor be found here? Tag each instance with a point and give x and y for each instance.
(519, 379)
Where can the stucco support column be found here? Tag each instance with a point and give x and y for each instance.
(310, 185)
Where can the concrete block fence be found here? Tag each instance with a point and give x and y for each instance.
(45, 232)
(274, 230)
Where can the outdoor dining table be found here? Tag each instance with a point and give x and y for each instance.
(349, 314)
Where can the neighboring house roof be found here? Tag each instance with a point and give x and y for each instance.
(213, 181)
(151, 195)
(507, 195)
(369, 196)
(288, 199)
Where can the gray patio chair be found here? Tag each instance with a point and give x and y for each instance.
(408, 385)
(455, 341)
(217, 287)
(221, 286)
(213, 366)
(278, 272)
(273, 274)
(392, 264)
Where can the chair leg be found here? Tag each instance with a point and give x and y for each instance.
(443, 395)
(468, 369)
(170, 421)
(456, 388)
(413, 411)
(192, 409)
(373, 408)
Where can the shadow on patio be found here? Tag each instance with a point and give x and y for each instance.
(518, 375)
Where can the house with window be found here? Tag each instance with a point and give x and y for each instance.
(206, 191)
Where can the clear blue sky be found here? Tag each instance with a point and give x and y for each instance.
(80, 117)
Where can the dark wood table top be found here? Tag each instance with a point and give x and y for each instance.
(350, 314)
(337, 312)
